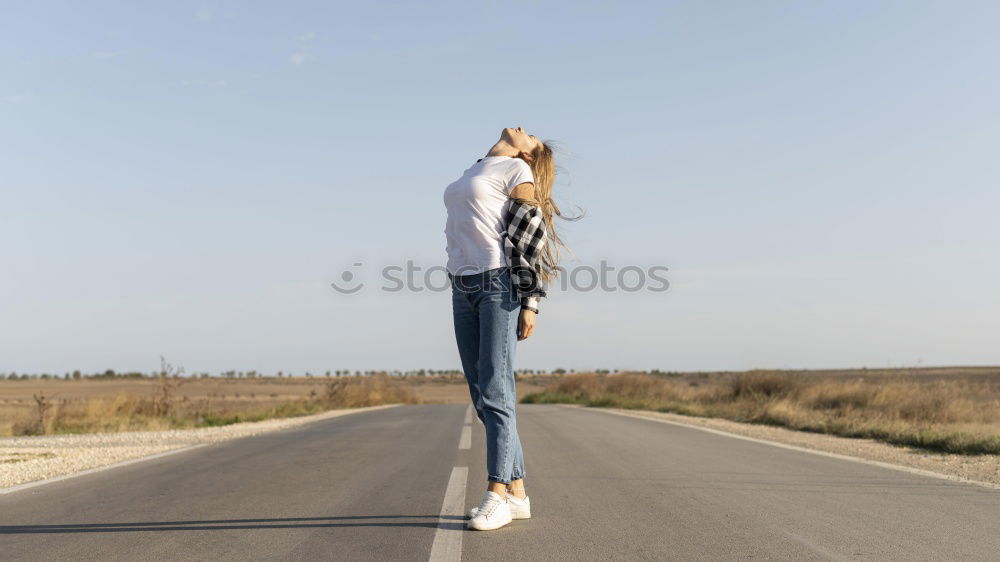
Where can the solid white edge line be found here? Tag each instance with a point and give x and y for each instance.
(26, 485)
(468, 414)
(447, 546)
(465, 442)
(881, 464)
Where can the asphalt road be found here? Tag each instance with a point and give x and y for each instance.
(372, 486)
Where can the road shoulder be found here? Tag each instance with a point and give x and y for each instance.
(977, 469)
(38, 459)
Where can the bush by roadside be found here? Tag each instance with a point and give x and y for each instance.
(163, 410)
(953, 416)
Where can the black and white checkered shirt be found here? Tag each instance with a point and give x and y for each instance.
(523, 243)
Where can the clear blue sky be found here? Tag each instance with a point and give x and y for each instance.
(187, 178)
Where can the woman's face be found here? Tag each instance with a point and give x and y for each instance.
(520, 140)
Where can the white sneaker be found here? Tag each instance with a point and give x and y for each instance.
(519, 509)
(493, 513)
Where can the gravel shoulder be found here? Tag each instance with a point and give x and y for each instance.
(980, 468)
(27, 459)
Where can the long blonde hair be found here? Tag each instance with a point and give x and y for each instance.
(543, 167)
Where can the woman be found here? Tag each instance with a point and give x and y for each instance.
(499, 222)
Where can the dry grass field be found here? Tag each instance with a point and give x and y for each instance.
(47, 406)
(953, 410)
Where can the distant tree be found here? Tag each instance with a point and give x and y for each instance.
(77, 374)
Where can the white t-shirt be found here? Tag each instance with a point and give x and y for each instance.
(476, 202)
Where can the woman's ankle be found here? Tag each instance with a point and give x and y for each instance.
(516, 489)
(498, 488)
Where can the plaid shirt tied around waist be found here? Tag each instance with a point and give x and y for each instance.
(523, 243)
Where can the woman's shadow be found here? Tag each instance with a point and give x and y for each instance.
(451, 522)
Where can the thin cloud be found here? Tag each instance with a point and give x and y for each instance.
(205, 14)
(307, 36)
(106, 54)
(298, 59)
(203, 83)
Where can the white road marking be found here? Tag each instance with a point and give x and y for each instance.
(27, 485)
(465, 442)
(881, 464)
(468, 414)
(447, 546)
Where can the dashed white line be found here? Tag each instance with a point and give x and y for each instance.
(447, 546)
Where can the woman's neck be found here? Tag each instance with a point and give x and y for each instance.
(501, 148)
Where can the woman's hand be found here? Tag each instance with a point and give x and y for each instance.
(525, 324)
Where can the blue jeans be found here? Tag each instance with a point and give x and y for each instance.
(486, 308)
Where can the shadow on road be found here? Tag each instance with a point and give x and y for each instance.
(433, 521)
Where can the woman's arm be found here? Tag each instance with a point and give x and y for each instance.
(524, 242)
(525, 191)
